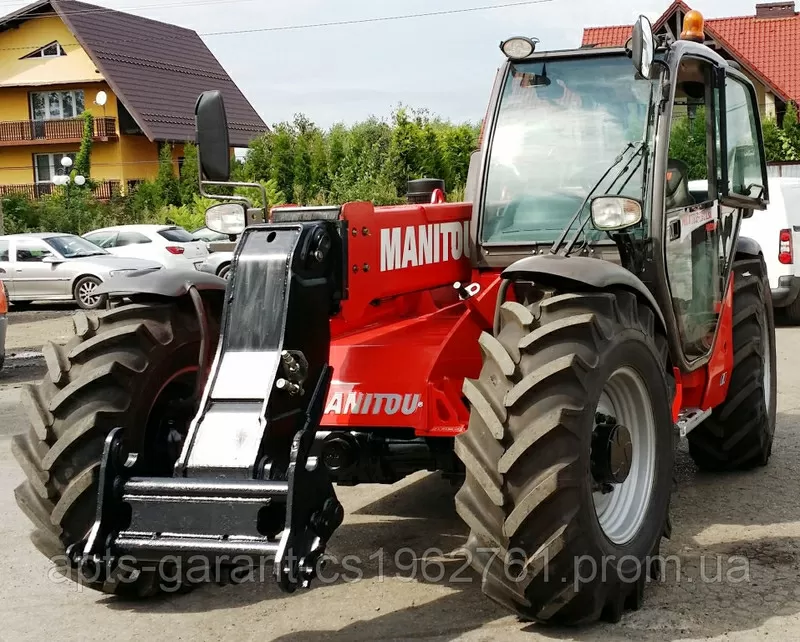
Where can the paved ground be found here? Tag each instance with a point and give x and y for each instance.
(735, 574)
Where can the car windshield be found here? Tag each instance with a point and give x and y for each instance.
(561, 124)
(70, 246)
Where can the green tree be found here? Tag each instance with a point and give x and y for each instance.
(773, 140)
(403, 161)
(688, 143)
(282, 163)
(189, 174)
(83, 163)
(166, 182)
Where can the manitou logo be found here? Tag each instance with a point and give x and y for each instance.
(414, 245)
(360, 403)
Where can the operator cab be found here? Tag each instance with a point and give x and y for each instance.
(586, 154)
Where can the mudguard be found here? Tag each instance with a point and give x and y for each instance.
(595, 273)
(168, 283)
(748, 247)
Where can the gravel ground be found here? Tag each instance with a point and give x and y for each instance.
(733, 573)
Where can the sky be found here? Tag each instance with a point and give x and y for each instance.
(445, 64)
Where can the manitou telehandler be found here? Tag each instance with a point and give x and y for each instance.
(545, 345)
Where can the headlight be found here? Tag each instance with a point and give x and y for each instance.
(119, 272)
(615, 213)
(519, 47)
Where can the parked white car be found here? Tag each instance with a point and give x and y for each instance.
(777, 231)
(170, 245)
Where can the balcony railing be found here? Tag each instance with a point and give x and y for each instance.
(103, 190)
(29, 132)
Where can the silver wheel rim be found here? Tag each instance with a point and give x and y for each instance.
(767, 362)
(85, 293)
(622, 511)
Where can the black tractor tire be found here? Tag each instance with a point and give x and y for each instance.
(111, 373)
(83, 282)
(528, 492)
(738, 434)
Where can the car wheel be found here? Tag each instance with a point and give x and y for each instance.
(224, 271)
(83, 291)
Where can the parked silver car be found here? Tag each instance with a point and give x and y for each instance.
(59, 267)
(218, 263)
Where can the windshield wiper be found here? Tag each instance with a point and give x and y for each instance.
(562, 237)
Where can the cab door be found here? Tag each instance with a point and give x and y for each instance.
(715, 174)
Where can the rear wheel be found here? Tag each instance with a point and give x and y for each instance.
(568, 457)
(738, 435)
(134, 367)
(224, 271)
(83, 292)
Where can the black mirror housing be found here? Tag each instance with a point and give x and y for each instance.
(213, 143)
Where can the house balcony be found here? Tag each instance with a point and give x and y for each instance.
(103, 190)
(66, 130)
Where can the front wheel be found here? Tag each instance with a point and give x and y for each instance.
(134, 367)
(568, 457)
(83, 292)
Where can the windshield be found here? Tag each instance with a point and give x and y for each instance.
(561, 125)
(70, 246)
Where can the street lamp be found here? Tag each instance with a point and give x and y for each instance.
(64, 179)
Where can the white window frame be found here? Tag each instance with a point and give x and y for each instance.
(46, 94)
(40, 53)
(55, 165)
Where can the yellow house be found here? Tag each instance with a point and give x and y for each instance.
(139, 79)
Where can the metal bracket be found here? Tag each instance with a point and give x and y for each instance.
(690, 419)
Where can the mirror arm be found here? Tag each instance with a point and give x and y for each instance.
(220, 197)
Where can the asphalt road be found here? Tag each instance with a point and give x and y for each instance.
(733, 571)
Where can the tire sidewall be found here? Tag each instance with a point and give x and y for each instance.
(768, 318)
(612, 562)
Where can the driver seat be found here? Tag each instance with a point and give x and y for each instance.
(676, 187)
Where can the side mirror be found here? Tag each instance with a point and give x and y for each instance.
(213, 144)
(226, 218)
(53, 260)
(643, 46)
(611, 213)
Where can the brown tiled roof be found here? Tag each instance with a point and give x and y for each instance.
(764, 46)
(157, 70)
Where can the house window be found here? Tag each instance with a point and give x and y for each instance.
(52, 50)
(52, 105)
(47, 166)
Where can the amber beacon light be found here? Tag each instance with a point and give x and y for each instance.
(693, 27)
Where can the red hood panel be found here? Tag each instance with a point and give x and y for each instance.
(381, 375)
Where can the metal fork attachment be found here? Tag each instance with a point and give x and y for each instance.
(244, 489)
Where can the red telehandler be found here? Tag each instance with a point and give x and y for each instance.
(545, 345)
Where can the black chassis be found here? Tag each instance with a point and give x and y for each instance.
(261, 498)
(648, 271)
